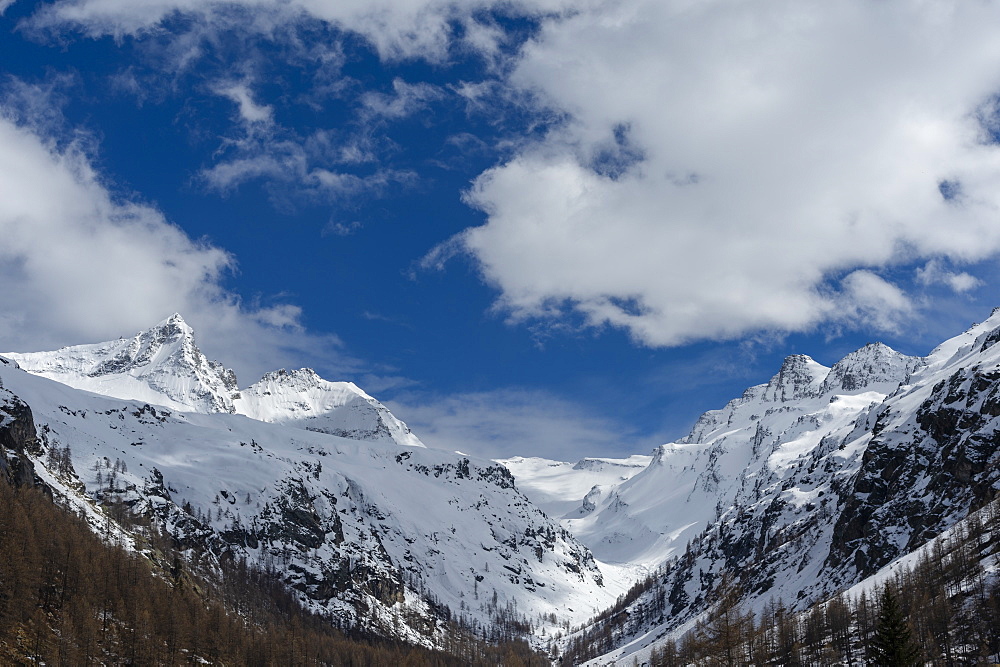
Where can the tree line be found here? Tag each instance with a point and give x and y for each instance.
(944, 609)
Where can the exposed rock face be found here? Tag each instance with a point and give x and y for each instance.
(922, 471)
(18, 440)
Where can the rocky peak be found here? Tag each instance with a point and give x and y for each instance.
(171, 340)
(302, 377)
(799, 377)
(161, 365)
(875, 366)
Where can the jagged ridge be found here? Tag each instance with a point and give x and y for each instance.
(163, 366)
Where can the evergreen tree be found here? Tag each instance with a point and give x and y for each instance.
(892, 645)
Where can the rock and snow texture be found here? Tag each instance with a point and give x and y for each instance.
(557, 486)
(371, 532)
(163, 366)
(302, 398)
(650, 515)
(812, 482)
(802, 486)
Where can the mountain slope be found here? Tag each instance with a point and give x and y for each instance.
(733, 455)
(303, 399)
(557, 486)
(808, 484)
(313, 484)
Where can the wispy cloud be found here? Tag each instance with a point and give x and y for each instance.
(250, 111)
(406, 99)
(935, 273)
(510, 422)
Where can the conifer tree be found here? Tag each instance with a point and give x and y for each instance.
(892, 645)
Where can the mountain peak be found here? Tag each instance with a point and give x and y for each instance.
(876, 366)
(799, 376)
(175, 322)
(161, 365)
(295, 377)
(304, 399)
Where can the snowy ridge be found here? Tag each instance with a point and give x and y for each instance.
(163, 366)
(811, 483)
(367, 531)
(803, 486)
(304, 399)
(557, 486)
(730, 452)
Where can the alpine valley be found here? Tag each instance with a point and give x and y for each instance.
(821, 482)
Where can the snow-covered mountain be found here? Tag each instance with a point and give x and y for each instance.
(302, 398)
(806, 485)
(557, 486)
(163, 366)
(307, 483)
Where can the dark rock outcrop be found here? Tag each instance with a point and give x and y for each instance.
(18, 439)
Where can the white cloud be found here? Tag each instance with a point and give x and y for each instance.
(720, 165)
(509, 422)
(722, 162)
(397, 29)
(302, 168)
(250, 111)
(871, 300)
(934, 273)
(78, 264)
(4, 4)
(407, 99)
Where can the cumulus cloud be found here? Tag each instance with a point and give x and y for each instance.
(80, 264)
(509, 422)
(722, 165)
(711, 169)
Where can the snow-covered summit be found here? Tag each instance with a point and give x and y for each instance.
(762, 435)
(799, 376)
(874, 367)
(163, 366)
(377, 536)
(304, 399)
(801, 498)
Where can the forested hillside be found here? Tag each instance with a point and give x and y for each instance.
(941, 608)
(67, 598)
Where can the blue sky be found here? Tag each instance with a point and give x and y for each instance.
(533, 227)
